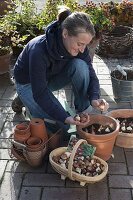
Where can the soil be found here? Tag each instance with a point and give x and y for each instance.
(118, 75)
(98, 129)
(126, 125)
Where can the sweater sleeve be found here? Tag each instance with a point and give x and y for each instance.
(41, 93)
(94, 87)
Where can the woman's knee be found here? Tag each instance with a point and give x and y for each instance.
(79, 67)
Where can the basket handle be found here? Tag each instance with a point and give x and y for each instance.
(58, 132)
(70, 165)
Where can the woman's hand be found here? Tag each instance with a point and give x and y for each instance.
(81, 119)
(100, 104)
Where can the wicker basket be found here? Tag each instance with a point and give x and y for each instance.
(117, 43)
(73, 175)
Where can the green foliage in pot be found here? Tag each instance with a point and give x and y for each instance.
(21, 23)
(24, 22)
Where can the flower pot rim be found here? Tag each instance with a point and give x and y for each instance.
(102, 135)
(32, 139)
(120, 80)
(125, 134)
(119, 111)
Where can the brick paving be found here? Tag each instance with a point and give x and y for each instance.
(19, 181)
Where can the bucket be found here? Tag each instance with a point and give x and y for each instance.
(122, 90)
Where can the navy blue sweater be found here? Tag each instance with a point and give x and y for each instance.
(43, 57)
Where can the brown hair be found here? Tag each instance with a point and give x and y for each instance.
(76, 22)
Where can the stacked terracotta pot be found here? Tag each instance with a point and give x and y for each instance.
(29, 141)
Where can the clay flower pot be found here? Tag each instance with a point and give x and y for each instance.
(22, 132)
(38, 129)
(123, 139)
(34, 144)
(5, 63)
(34, 158)
(104, 143)
(35, 150)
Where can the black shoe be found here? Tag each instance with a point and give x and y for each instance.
(17, 105)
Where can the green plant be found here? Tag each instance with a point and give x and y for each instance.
(120, 13)
(107, 15)
(99, 17)
(21, 23)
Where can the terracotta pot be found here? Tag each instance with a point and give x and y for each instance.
(22, 132)
(104, 143)
(34, 144)
(5, 63)
(54, 140)
(38, 129)
(35, 158)
(123, 139)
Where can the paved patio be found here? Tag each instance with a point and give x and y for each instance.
(20, 181)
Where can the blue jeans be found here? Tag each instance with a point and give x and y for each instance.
(75, 73)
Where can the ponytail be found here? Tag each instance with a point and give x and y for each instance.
(76, 22)
(63, 13)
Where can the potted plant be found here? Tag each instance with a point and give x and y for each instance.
(125, 118)
(113, 21)
(5, 53)
(101, 21)
(5, 57)
(22, 24)
(101, 132)
(118, 41)
(99, 17)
